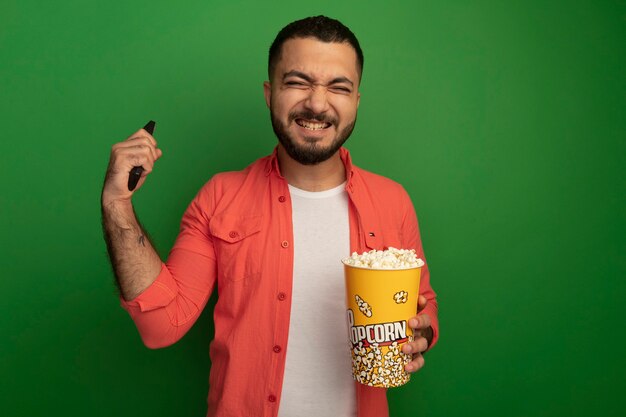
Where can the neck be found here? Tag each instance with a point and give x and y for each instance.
(320, 177)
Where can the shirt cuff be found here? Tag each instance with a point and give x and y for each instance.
(159, 294)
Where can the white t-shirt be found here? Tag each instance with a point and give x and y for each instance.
(318, 376)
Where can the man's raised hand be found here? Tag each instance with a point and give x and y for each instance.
(139, 149)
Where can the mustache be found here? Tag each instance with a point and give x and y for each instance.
(309, 115)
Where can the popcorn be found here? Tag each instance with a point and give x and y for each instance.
(391, 258)
(401, 297)
(365, 308)
(371, 367)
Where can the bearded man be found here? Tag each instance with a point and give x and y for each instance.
(271, 237)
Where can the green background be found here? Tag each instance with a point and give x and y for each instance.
(504, 120)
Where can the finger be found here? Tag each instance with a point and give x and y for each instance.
(146, 161)
(142, 161)
(421, 303)
(142, 143)
(152, 139)
(141, 151)
(139, 155)
(141, 133)
(135, 140)
(153, 152)
(417, 346)
(144, 138)
(421, 321)
(415, 365)
(151, 143)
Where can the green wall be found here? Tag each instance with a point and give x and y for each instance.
(504, 120)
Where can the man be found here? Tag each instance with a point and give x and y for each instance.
(271, 237)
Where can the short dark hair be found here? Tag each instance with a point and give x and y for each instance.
(322, 28)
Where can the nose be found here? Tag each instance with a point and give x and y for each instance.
(317, 101)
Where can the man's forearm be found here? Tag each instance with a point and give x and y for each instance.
(135, 262)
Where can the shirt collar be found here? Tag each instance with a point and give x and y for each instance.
(272, 164)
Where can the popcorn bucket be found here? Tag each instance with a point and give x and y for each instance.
(380, 302)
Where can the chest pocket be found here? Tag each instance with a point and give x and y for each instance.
(237, 246)
(383, 239)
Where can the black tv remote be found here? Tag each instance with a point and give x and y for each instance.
(135, 173)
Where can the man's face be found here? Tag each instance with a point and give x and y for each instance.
(313, 98)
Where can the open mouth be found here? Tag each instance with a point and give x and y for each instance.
(312, 125)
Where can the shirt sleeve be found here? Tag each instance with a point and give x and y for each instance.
(411, 236)
(167, 309)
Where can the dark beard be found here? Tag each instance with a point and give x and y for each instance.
(310, 153)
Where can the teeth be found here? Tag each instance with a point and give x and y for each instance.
(311, 125)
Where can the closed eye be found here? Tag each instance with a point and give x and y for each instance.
(341, 89)
(294, 83)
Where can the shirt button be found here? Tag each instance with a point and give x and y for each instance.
(282, 199)
(277, 349)
(271, 398)
(233, 234)
(282, 296)
(285, 244)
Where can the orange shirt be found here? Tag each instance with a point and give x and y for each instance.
(237, 233)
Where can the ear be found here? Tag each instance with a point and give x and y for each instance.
(267, 92)
(358, 99)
